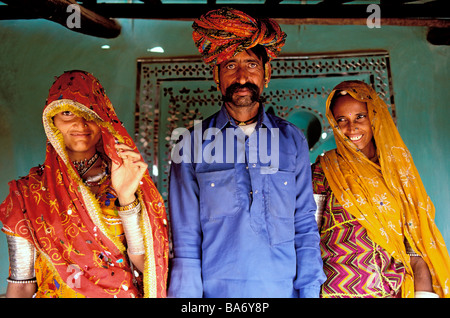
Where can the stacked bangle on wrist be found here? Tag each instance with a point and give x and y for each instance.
(130, 216)
(21, 260)
(128, 206)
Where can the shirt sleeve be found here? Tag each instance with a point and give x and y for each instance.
(185, 278)
(310, 275)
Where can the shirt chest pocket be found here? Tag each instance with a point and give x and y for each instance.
(282, 194)
(218, 194)
(281, 200)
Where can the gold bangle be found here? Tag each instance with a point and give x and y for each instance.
(127, 207)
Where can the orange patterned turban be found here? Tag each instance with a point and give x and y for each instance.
(223, 33)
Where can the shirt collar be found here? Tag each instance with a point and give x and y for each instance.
(223, 119)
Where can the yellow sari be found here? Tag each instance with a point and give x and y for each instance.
(388, 199)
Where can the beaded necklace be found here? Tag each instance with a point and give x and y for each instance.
(83, 166)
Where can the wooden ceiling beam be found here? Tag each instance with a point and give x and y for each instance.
(152, 2)
(280, 11)
(96, 18)
(435, 23)
(90, 23)
(154, 9)
(272, 2)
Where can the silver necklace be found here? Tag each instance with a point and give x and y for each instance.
(98, 179)
(83, 166)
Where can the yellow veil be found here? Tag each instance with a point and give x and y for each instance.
(388, 199)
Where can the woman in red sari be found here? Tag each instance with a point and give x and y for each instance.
(89, 222)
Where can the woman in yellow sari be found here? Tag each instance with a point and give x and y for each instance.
(378, 236)
(89, 222)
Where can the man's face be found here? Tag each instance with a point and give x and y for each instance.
(241, 79)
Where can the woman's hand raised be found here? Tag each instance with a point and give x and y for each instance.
(125, 178)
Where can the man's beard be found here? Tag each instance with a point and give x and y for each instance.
(241, 101)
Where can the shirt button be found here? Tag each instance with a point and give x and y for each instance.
(254, 165)
(212, 184)
(256, 191)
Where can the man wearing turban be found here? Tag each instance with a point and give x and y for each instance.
(241, 202)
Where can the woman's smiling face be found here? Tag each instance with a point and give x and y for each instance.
(80, 136)
(353, 120)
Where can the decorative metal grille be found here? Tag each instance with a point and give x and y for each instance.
(173, 93)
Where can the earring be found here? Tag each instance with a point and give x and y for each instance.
(216, 76)
(266, 76)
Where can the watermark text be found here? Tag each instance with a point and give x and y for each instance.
(74, 19)
(227, 146)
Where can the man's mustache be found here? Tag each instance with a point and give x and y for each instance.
(236, 86)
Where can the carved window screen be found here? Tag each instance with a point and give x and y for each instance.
(173, 93)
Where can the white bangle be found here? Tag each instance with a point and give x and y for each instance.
(21, 258)
(26, 281)
(320, 203)
(414, 254)
(131, 226)
(425, 294)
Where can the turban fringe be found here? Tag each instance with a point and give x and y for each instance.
(221, 34)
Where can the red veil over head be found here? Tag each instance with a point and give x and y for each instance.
(52, 208)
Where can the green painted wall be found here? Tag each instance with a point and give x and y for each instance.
(33, 52)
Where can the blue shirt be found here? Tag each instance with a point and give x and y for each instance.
(243, 226)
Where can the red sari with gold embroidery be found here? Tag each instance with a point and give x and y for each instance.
(68, 224)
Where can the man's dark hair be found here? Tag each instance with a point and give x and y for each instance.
(261, 53)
